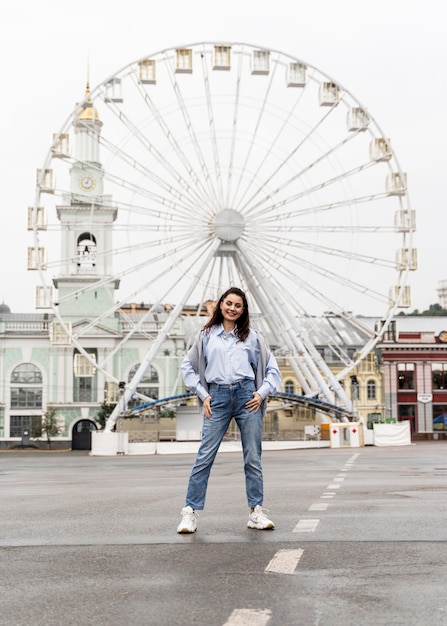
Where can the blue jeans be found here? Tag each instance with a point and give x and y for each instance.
(227, 401)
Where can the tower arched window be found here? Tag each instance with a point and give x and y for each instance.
(149, 384)
(86, 252)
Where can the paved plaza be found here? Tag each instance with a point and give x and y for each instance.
(360, 538)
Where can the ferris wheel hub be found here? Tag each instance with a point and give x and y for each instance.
(229, 225)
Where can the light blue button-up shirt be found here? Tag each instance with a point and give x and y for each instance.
(228, 360)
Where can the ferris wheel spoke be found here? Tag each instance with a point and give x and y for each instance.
(311, 364)
(161, 276)
(274, 142)
(211, 122)
(234, 127)
(273, 253)
(207, 178)
(332, 252)
(173, 316)
(169, 187)
(173, 198)
(342, 176)
(267, 217)
(285, 162)
(145, 264)
(252, 141)
(169, 135)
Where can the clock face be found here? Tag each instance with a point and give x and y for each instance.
(87, 183)
(443, 336)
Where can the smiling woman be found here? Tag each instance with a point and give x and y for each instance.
(232, 372)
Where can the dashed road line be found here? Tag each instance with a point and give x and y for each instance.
(285, 561)
(306, 526)
(333, 486)
(249, 617)
(319, 506)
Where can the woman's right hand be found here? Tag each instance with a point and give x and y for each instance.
(207, 407)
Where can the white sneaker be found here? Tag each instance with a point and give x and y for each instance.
(189, 521)
(259, 520)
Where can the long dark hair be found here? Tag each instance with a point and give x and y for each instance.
(243, 323)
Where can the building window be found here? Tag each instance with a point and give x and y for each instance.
(21, 423)
(84, 377)
(407, 412)
(405, 376)
(83, 389)
(25, 392)
(371, 389)
(26, 373)
(439, 417)
(26, 398)
(355, 388)
(86, 253)
(149, 384)
(439, 375)
(289, 386)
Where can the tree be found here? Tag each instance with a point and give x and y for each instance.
(432, 311)
(50, 425)
(103, 413)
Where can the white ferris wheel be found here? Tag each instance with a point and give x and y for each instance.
(218, 164)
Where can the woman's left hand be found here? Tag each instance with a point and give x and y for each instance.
(255, 403)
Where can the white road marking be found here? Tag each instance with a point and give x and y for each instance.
(339, 479)
(306, 526)
(333, 486)
(328, 495)
(285, 561)
(319, 506)
(249, 617)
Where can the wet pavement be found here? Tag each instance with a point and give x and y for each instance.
(360, 538)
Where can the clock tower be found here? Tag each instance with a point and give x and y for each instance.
(86, 287)
(86, 173)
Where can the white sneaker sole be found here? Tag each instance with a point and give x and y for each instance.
(270, 526)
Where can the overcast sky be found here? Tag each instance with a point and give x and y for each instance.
(390, 54)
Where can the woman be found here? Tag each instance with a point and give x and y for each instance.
(232, 371)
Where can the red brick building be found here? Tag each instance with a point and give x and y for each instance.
(414, 360)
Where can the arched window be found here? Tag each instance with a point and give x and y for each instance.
(149, 384)
(371, 389)
(26, 387)
(27, 373)
(289, 386)
(86, 252)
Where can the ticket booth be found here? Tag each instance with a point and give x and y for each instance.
(346, 435)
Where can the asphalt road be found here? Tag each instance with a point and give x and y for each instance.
(360, 539)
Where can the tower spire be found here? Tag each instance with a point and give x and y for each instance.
(88, 112)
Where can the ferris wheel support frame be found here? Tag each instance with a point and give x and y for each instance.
(151, 354)
(276, 305)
